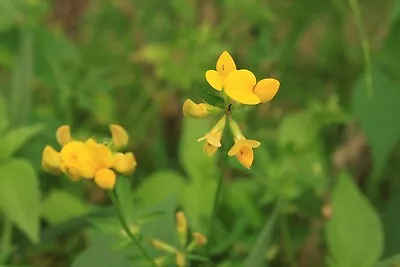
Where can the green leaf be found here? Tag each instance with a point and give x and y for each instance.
(102, 254)
(395, 13)
(61, 206)
(197, 201)
(9, 14)
(3, 115)
(354, 234)
(379, 116)
(20, 196)
(391, 222)
(390, 262)
(194, 160)
(159, 186)
(15, 139)
(257, 256)
(211, 97)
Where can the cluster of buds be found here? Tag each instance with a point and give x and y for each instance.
(185, 248)
(90, 159)
(236, 87)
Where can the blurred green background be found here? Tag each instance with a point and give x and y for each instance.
(330, 149)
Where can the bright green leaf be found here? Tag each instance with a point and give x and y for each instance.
(354, 234)
(15, 139)
(20, 196)
(61, 206)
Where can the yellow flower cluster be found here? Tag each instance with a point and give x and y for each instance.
(236, 87)
(180, 253)
(90, 159)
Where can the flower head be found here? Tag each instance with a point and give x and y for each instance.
(213, 138)
(225, 66)
(89, 159)
(194, 110)
(242, 87)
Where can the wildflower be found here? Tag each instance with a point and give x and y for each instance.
(181, 253)
(242, 87)
(225, 66)
(89, 159)
(243, 148)
(194, 110)
(213, 138)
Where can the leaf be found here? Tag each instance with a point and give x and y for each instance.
(61, 206)
(390, 262)
(15, 139)
(258, 253)
(197, 201)
(395, 15)
(354, 234)
(379, 116)
(20, 196)
(3, 115)
(9, 14)
(391, 222)
(197, 164)
(211, 97)
(159, 186)
(102, 254)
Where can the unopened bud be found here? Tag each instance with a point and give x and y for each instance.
(181, 226)
(160, 245)
(199, 238)
(180, 259)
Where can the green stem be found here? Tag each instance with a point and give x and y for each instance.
(287, 241)
(6, 236)
(364, 45)
(124, 224)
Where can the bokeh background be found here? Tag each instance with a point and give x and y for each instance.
(91, 63)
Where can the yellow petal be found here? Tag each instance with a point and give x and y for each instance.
(214, 79)
(194, 110)
(119, 136)
(245, 156)
(245, 77)
(239, 86)
(105, 179)
(124, 163)
(63, 135)
(234, 149)
(252, 143)
(237, 93)
(210, 149)
(101, 154)
(51, 160)
(266, 89)
(225, 64)
(214, 139)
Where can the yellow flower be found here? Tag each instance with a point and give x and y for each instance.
(51, 160)
(225, 65)
(119, 136)
(124, 163)
(63, 135)
(242, 87)
(194, 110)
(213, 138)
(105, 178)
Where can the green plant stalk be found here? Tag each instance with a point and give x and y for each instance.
(124, 224)
(6, 236)
(287, 242)
(364, 46)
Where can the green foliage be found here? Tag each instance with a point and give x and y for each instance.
(354, 234)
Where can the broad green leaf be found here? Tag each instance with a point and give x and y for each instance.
(13, 140)
(102, 253)
(194, 160)
(354, 234)
(197, 201)
(61, 206)
(258, 254)
(159, 186)
(20, 196)
(379, 116)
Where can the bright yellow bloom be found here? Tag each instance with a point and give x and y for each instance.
(225, 65)
(243, 150)
(63, 135)
(51, 160)
(194, 110)
(105, 178)
(242, 87)
(124, 163)
(120, 137)
(181, 227)
(213, 138)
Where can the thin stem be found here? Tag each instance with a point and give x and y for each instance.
(364, 45)
(6, 236)
(287, 241)
(124, 224)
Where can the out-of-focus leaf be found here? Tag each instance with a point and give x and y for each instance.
(197, 201)
(390, 262)
(3, 116)
(159, 186)
(379, 116)
(9, 14)
(125, 197)
(395, 14)
(354, 234)
(197, 164)
(61, 206)
(20, 196)
(102, 253)
(391, 222)
(15, 139)
(258, 254)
